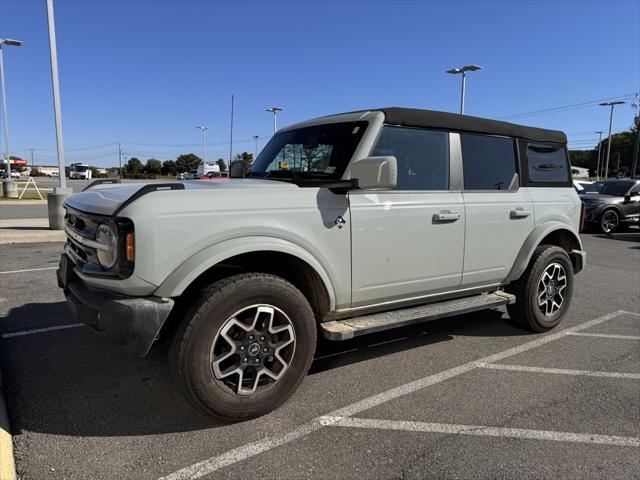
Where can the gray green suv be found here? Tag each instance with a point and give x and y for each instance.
(344, 225)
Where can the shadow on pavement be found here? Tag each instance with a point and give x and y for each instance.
(73, 382)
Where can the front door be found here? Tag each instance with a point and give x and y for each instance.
(408, 243)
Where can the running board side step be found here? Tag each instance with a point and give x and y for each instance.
(377, 322)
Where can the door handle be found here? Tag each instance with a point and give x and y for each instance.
(446, 216)
(519, 213)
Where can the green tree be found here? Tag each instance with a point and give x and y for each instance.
(133, 166)
(169, 167)
(246, 159)
(222, 164)
(187, 162)
(622, 143)
(153, 167)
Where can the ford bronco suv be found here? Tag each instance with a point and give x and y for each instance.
(343, 225)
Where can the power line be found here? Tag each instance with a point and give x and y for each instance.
(575, 106)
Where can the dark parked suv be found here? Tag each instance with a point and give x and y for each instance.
(611, 203)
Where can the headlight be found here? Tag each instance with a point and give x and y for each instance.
(106, 236)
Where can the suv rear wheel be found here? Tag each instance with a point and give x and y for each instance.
(245, 347)
(543, 292)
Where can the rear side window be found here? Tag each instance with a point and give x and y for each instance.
(489, 163)
(547, 163)
(422, 156)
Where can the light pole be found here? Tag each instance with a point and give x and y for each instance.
(275, 111)
(10, 189)
(204, 143)
(599, 132)
(609, 104)
(255, 138)
(463, 71)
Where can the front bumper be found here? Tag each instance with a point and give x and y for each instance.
(132, 321)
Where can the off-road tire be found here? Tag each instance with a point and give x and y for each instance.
(525, 313)
(189, 358)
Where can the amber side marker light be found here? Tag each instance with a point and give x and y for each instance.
(131, 247)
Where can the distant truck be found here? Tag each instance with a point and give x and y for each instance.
(80, 171)
(208, 170)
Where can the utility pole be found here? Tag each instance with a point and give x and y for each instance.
(609, 104)
(255, 138)
(599, 132)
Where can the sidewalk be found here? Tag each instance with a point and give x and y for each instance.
(28, 230)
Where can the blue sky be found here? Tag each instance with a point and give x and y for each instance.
(148, 72)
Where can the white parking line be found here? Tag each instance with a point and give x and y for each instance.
(244, 452)
(22, 333)
(29, 270)
(560, 371)
(483, 431)
(604, 335)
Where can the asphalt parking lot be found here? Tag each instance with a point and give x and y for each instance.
(465, 397)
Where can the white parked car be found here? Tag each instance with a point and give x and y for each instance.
(348, 224)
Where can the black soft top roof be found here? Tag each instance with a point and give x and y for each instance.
(413, 117)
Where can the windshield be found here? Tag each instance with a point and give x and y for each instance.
(80, 168)
(617, 189)
(317, 152)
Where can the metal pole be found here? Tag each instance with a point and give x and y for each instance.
(634, 164)
(204, 146)
(56, 94)
(120, 160)
(598, 160)
(255, 138)
(231, 142)
(31, 150)
(464, 81)
(4, 117)
(606, 165)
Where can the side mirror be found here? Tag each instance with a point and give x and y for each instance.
(627, 198)
(376, 173)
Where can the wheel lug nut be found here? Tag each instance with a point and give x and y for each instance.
(245, 359)
(265, 349)
(242, 348)
(250, 337)
(257, 360)
(262, 338)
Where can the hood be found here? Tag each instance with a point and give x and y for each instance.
(108, 198)
(594, 198)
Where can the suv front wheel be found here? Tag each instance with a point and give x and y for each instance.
(245, 347)
(543, 292)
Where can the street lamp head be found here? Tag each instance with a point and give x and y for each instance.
(255, 137)
(454, 71)
(203, 128)
(471, 68)
(608, 104)
(11, 42)
(274, 109)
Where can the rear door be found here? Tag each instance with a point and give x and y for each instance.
(499, 213)
(408, 243)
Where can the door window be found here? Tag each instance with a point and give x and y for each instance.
(489, 163)
(422, 156)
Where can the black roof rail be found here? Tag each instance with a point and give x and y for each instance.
(100, 182)
(153, 187)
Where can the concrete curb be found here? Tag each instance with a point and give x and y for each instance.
(7, 463)
(28, 230)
